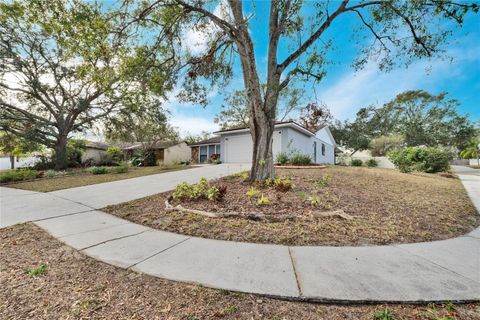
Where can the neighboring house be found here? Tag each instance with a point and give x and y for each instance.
(236, 144)
(95, 152)
(166, 152)
(203, 150)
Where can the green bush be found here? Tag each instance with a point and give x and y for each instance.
(371, 163)
(356, 163)
(200, 190)
(282, 158)
(115, 153)
(17, 175)
(98, 170)
(425, 159)
(121, 168)
(283, 185)
(300, 159)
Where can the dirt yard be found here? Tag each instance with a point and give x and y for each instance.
(43, 279)
(387, 207)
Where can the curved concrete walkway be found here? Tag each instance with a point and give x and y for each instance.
(446, 270)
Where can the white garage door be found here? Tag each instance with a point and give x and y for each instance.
(238, 148)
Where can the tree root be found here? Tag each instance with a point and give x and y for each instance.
(256, 216)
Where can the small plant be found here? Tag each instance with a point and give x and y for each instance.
(324, 181)
(231, 309)
(115, 153)
(356, 163)
(243, 175)
(283, 185)
(282, 158)
(213, 194)
(263, 201)
(38, 271)
(121, 168)
(371, 163)
(300, 159)
(314, 201)
(385, 314)
(262, 162)
(450, 307)
(200, 189)
(183, 191)
(252, 193)
(98, 170)
(268, 182)
(302, 195)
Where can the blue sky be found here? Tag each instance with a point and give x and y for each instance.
(345, 90)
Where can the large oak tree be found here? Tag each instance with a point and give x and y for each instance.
(65, 65)
(399, 32)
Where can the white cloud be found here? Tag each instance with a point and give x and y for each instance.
(193, 125)
(371, 86)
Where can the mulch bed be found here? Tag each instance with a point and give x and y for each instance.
(74, 286)
(387, 206)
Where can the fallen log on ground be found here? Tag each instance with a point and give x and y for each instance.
(256, 216)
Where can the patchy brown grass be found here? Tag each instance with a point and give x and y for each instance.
(387, 206)
(74, 286)
(85, 178)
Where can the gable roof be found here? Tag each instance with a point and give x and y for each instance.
(96, 145)
(291, 124)
(213, 140)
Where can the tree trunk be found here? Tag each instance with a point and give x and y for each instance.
(61, 153)
(12, 162)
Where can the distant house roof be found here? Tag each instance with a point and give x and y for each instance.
(292, 124)
(158, 145)
(97, 145)
(213, 140)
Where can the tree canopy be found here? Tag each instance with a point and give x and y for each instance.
(63, 66)
(421, 118)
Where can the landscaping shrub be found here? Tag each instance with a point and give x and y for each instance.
(425, 159)
(121, 168)
(371, 163)
(75, 150)
(356, 163)
(200, 190)
(17, 175)
(115, 154)
(263, 201)
(380, 146)
(282, 158)
(98, 170)
(283, 185)
(324, 181)
(300, 159)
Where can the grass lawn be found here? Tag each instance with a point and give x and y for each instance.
(387, 207)
(85, 178)
(44, 279)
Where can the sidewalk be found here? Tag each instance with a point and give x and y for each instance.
(447, 270)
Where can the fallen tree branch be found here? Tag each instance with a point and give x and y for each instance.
(336, 213)
(256, 216)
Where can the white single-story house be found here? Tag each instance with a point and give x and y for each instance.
(235, 145)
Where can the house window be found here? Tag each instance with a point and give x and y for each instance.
(203, 154)
(217, 150)
(323, 149)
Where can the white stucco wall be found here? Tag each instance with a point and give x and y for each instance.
(285, 139)
(21, 162)
(96, 155)
(177, 153)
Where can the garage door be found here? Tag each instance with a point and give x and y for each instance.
(238, 148)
